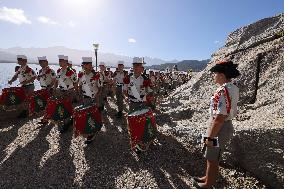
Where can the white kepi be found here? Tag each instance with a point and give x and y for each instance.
(22, 57)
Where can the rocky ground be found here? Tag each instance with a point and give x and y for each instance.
(34, 156)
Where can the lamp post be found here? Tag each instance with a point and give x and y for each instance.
(96, 47)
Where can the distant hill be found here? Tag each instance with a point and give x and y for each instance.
(184, 65)
(8, 55)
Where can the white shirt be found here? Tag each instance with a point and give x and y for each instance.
(105, 76)
(153, 79)
(66, 78)
(224, 101)
(89, 83)
(118, 77)
(167, 79)
(46, 76)
(25, 73)
(137, 88)
(175, 77)
(180, 79)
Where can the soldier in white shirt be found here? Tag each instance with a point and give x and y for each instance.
(175, 79)
(180, 79)
(25, 75)
(26, 78)
(223, 108)
(88, 81)
(66, 79)
(119, 76)
(46, 75)
(137, 86)
(158, 81)
(105, 79)
(167, 81)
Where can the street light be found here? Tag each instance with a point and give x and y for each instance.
(96, 47)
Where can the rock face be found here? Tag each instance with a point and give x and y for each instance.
(184, 65)
(258, 144)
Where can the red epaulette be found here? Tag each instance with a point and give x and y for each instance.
(147, 83)
(69, 72)
(48, 71)
(28, 69)
(126, 80)
(80, 74)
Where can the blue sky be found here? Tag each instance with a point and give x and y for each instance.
(166, 29)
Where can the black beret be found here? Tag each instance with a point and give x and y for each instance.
(226, 67)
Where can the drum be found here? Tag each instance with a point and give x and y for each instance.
(150, 101)
(142, 128)
(87, 120)
(38, 101)
(12, 97)
(58, 109)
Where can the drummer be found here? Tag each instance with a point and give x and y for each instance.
(174, 79)
(138, 86)
(46, 75)
(66, 78)
(118, 77)
(167, 81)
(110, 83)
(67, 82)
(104, 79)
(70, 65)
(25, 74)
(158, 81)
(88, 81)
(26, 78)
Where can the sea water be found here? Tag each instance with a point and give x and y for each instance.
(7, 70)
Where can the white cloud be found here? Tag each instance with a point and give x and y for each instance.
(71, 24)
(217, 42)
(15, 16)
(47, 20)
(131, 40)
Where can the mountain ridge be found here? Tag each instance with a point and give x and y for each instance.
(75, 55)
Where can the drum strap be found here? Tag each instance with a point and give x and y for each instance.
(135, 93)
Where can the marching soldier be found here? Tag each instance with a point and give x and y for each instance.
(167, 81)
(46, 78)
(70, 65)
(189, 74)
(119, 77)
(67, 82)
(46, 75)
(110, 84)
(88, 81)
(66, 78)
(138, 87)
(158, 81)
(25, 75)
(175, 79)
(153, 79)
(26, 78)
(105, 80)
(180, 79)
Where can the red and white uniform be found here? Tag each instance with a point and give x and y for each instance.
(224, 101)
(89, 83)
(66, 78)
(46, 76)
(137, 88)
(25, 73)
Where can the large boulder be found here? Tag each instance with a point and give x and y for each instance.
(258, 144)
